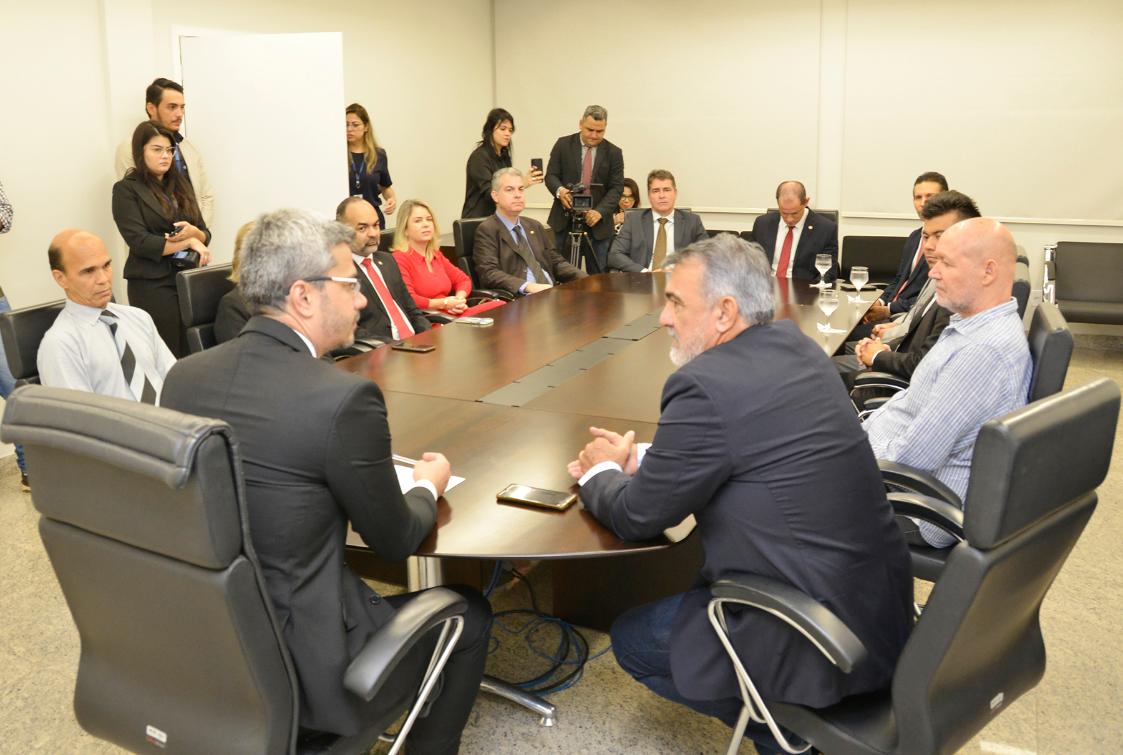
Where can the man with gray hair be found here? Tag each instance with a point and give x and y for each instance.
(316, 454)
(586, 164)
(758, 440)
(513, 253)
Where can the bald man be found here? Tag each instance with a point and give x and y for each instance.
(979, 368)
(96, 345)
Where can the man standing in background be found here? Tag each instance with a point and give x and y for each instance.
(163, 101)
(7, 382)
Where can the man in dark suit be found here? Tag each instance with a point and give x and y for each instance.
(901, 292)
(390, 313)
(588, 159)
(649, 236)
(513, 253)
(806, 234)
(758, 441)
(316, 454)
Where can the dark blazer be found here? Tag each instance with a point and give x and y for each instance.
(374, 322)
(564, 168)
(915, 277)
(819, 236)
(481, 166)
(233, 313)
(922, 335)
(758, 440)
(500, 263)
(315, 448)
(632, 250)
(142, 223)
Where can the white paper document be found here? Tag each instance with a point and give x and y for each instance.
(406, 481)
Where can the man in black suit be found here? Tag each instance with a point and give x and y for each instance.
(513, 253)
(758, 441)
(390, 313)
(901, 292)
(316, 454)
(806, 234)
(649, 236)
(588, 159)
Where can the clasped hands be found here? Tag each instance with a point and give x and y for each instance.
(868, 348)
(454, 305)
(606, 445)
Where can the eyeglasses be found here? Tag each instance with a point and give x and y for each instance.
(352, 283)
(169, 151)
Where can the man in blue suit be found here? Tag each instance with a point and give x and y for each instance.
(806, 233)
(758, 440)
(648, 236)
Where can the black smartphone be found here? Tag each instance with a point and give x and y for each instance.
(527, 495)
(536, 163)
(416, 349)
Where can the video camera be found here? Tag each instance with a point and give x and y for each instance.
(582, 202)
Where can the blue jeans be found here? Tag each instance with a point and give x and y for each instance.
(7, 382)
(641, 640)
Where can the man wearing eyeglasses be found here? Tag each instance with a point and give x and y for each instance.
(316, 455)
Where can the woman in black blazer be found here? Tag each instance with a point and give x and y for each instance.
(156, 213)
(491, 153)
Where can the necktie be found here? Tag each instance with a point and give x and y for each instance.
(905, 282)
(660, 246)
(531, 261)
(785, 254)
(587, 169)
(137, 381)
(401, 324)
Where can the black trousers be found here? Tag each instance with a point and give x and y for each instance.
(159, 298)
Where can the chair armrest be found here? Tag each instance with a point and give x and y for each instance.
(916, 481)
(490, 293)
(437, 317)
(388, 646)
(874, 379)
(369, 343)
(808, 616)
(944, 515)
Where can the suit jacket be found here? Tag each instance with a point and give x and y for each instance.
(914, 278)
(500, 263)
(633, 248)
(196, 173)
(374, 322)
(758, 440)
(564, 168)
(142, 223)
(311, 465)
(819, 236)
(232, 315)
(922, 334)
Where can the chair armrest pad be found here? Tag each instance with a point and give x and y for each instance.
(812, 619)
(916, 481)
(437, 317)
(875, 379)
(410, 623)
(491, 293)
(944, 515)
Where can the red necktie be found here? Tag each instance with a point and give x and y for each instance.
(587, 169)
(405, 330)
(785, 254)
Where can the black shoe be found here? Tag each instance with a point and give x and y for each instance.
(24, 485)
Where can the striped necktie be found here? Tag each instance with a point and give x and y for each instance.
(137, 381)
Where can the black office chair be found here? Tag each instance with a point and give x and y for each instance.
(978, 645)
(1082, 278)
(144, 521)
(747, 236)
(881, 254)
(22, 330)
(200, 291)
(386, 240)
(464, 235)
(1022, 287)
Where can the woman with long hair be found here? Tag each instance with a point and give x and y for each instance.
(432, 281)
(491, 153)
(629, 200)
(368, 168)
(157, 214)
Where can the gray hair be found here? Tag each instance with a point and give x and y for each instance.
(733, 267)
(286, 246)
(596, 112)
(497, 175)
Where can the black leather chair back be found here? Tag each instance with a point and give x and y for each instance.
(200, 291)
(386, 240)
(1087, 276)
(1050, 345)
(1022, 287)
(22, 330)
(978, 644)
(881, 254)
(144, 522)
(464, 235)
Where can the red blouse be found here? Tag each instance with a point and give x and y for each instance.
(445, 279)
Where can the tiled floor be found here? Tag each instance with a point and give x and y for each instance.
(1075, 709)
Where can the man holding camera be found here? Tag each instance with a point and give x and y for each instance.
(586, 176)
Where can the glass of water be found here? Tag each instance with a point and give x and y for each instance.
(859, 276)
(828, 303)
(823, 263)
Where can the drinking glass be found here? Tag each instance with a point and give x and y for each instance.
(828, 303)
(859, 276)
(823, 263)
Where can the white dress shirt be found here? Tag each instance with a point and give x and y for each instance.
(655, 234)
(781, 234)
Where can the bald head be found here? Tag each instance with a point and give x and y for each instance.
(81, 266)
(975, 264)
